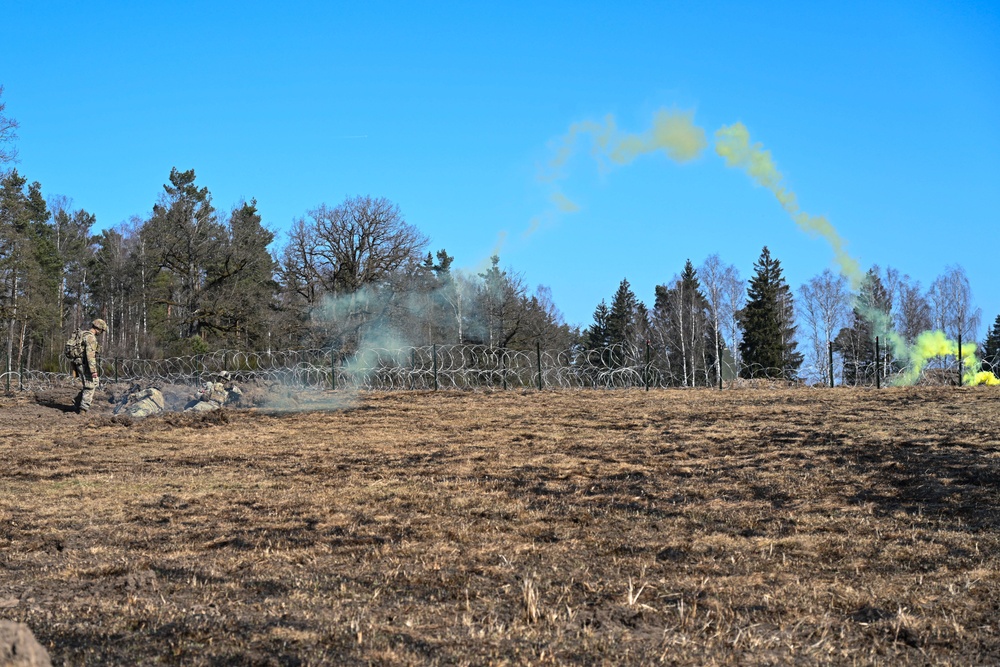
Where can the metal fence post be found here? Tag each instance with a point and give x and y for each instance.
(961, 361)
(718, 358)
(830, 344)
(878, 365)
(333, 369)
(8, 372)
(538, 356)
(434, 351)
(645, 370)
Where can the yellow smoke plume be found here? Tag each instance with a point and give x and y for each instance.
(931, 344)
(984, 377)
(733, 144)
(672, 132)
(564, 203)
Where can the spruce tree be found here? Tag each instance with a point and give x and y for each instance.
(991, 348)
(596, 336)
(871, 319)
(622, 316)
(623, 325)
(768, 319)
(681, 314)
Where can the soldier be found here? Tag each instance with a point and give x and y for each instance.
(148, 402)
(213, 395)
(85, 365)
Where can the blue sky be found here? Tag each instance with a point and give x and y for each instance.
(881, 116)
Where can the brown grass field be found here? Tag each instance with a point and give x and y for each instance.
(737, 527)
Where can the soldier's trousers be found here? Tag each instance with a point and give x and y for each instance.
(144, 408)
(86, 396)
(202, 406)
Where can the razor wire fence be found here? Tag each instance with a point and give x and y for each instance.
(479, 367)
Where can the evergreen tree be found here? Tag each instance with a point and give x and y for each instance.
(871, 319)
(242, 289)
(75, 249)
(991, 348)
(499, 305)
(596, 337)
(622, 316)
(29, 272)
(682, 317)
(189, 243)
(624, 325)
(446, 303)
(768, 320)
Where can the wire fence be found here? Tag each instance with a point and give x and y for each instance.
(481, 367)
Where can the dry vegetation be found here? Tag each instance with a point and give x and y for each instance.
(586, 527)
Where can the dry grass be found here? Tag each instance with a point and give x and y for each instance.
(765, 527)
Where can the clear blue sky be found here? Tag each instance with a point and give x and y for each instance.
(882, 116)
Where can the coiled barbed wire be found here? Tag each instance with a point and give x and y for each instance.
(465, 367)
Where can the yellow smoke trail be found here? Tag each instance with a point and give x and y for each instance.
(932, 344)
(672, 132)
(563, 203)
(733, 144)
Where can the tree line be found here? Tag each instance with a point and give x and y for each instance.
(190, 278)
(707, 320)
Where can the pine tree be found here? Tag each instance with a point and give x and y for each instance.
(30, 269)
(768, 320)
(189, 242)
(242, 288)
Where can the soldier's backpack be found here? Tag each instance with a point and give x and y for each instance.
(74, 346)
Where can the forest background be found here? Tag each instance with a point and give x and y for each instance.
(519, 132)
(190, 279)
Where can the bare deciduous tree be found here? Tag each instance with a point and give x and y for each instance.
(361, 242)
(734, 296)
(724, 291)
(825, 309)
(8, 133)
(342, 264)
(912, 311)
(951, 304)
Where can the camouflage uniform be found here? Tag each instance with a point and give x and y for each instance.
(86, 366)
(214, 395)
(211, 397)
(148, 402)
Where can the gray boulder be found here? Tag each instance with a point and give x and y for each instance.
(18, 647)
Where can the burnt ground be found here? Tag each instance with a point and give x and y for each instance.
(766, 527)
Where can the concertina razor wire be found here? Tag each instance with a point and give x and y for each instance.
(472, 367)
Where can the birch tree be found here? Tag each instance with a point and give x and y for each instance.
(825, 305)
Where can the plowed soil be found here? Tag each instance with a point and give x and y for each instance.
(737, 527)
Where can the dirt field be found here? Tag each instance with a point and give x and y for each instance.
(578, 527)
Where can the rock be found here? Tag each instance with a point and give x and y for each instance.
(18, 647)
